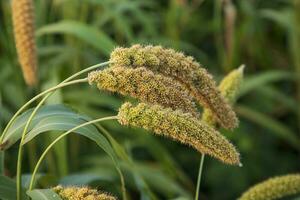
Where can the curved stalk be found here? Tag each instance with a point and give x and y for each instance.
(60, 137)
(47, 91)
(20, 152)
(199, 177)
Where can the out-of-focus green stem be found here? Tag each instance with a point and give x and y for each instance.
(199, 176)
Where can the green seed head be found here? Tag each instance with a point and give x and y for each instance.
(274, 188)
(184, 69)
(81, 193)
(229, 87)
(146, 86)
(182, 127)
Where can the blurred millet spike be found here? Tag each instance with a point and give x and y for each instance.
(24, 31)
(229, 87)
(182, 68)
(146, 86)
(274, 188)
(181, 127)
(81, 193)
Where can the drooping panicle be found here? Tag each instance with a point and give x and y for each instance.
(274, 188)
(23, 22)
(229, 87)
(146, 86)
(181, 127)
(182, 68)
(81, 193)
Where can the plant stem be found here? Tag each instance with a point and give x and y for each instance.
(47, 91)
(2, 162)
(60, 137)
(20, 151)
(199, 177)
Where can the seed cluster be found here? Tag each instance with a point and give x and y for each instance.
(183, 69)
(144, 85)
(229, 87)
(180, 127)
(23, 21)
(81, 193)
(274, 188)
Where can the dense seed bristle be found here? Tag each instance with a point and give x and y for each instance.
(229, 87)
(181, 127)
(81, 193)
(274, 188)
(23, 21)
(182, 68)
(146, 86)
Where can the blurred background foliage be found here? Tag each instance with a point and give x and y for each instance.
(220, 34)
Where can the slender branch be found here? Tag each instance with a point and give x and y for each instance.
(20, 151)
(49, 90)
(60, 137)
(199, 177)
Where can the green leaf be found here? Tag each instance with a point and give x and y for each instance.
(48, 112)
(255, 81)
(57, 118)
(282, 18)
(84, 179)
(86, 33)
(8, 189)
(43, 194)
(277, 128)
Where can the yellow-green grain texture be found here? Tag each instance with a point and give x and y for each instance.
(23, 22)
(274, 188)
(146, 86)
(182, 68)
(81, 193)
(182, 127)
(229, 87)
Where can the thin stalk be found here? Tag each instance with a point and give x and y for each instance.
(47, 91)
(2, 163)
(20, 151)
(108, 135)
(62, 84)
(199, 177)
(60, 137)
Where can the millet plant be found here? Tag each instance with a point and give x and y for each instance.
(168, 90)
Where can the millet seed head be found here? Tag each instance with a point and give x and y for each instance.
(184, 69)
(23, 22)
(179, 126)
(81, 193)
(146, 86)
(274, 188)
(229, 87)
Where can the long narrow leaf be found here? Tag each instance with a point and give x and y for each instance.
(86, 33)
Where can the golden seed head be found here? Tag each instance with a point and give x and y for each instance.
(274, 188)
(182, 127)
(146, 86)
(81, 193)
(229, 87)
(184, 69)
(23, 22)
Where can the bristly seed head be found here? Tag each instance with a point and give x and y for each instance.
(81, 193)
(274, 188)
(23, 21)
(229, 87)
(146, 86)
(181, 127)
(184, 69)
